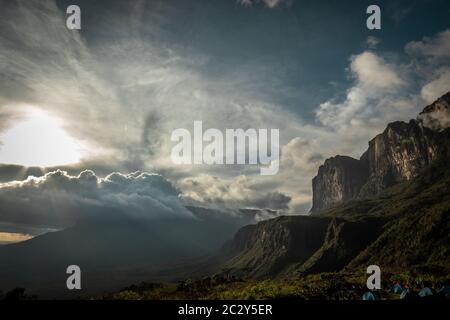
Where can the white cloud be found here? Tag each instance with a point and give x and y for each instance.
(373, 101)
(237, 193)
(436, 48)
(302, 155)
(374, 73)
(431, 59)
(437, 86)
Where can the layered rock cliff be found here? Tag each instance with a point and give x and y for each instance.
(396, 155)
(339, 179)
(399, 154)
(295, 245)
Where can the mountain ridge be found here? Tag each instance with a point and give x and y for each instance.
(393, 156)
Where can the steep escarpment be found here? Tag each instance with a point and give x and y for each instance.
(339, 179)
(297, 245)
(396, 155)
(343, 241)
(269, 247)
(400, 153)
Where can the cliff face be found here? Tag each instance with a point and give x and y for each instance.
(295, 245)
(339, 179)
(396, 155)
(270, 246)
(399, 154)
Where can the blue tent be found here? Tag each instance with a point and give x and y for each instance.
(397, 288)
(369, 296)
(425, 292)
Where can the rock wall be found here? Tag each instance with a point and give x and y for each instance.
(396, 155)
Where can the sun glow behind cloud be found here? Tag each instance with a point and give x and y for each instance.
(38, 140)
(7, 237)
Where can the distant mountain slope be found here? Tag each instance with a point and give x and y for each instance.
(114, 253)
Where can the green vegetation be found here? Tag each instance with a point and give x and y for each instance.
(417, 223)
(324, 286)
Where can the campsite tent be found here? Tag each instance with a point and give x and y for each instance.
(425, 292)
(369, 296)
(397, 288)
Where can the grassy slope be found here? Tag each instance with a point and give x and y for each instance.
(323, 286)
(417, 227)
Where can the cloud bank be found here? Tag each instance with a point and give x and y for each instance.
(58, 200)
(239, 193)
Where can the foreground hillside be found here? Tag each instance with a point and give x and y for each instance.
(324, 286)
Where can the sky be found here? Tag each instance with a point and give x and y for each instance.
(106, 98)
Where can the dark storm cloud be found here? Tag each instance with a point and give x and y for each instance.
(15, 172)
(57, 199)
